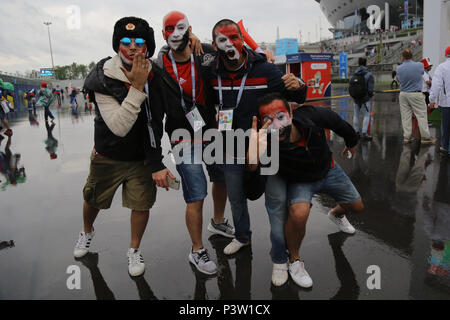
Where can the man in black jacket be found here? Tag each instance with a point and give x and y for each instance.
(127, 149)
(306, 167)
(187, 94)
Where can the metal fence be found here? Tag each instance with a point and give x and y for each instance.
(21, 86)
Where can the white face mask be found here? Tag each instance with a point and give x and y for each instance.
(224, 44)
(176, 38)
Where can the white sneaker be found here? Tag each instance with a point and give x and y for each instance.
(279, 274)
(83, 244)
(136, 265)
(342, 223)
(224, 229)
(200, 259)
(299, 275)
(234, 247)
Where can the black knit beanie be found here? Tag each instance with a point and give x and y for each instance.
(133, 27)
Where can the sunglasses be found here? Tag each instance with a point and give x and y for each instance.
(139, 42)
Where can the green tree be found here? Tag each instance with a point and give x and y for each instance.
(61, 72)
(73, 71)
(82, 70)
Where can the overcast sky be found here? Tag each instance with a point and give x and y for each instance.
(24, 38)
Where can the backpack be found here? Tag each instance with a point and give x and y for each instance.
(357, 87)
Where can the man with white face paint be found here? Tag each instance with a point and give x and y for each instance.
(189, 95)
(239, 77)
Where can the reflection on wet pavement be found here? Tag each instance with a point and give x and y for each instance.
(404, 230)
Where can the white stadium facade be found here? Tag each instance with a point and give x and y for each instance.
(351, 15)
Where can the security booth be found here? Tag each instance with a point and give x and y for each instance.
(313, 68)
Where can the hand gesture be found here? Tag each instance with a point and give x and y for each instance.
(292, 83)
(139, 71)
(269, 55)
(349, 152)
(258, 144)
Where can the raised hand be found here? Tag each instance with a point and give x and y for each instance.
(349, 152)
(291, 82)
(258, 144)
(139, 71)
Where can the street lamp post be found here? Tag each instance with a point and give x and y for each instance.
(50, 42)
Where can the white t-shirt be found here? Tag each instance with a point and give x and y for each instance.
(426, 77)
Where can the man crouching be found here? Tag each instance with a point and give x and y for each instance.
(307, 167)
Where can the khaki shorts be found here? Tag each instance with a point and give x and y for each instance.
(106, 175)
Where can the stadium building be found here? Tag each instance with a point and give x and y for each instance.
(353, 16)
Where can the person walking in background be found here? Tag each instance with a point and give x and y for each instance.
(4, 109)
(361, 88)
(31, 97)
(58, 94)
(412, 102)
(440, 94)
(73, 98)
(45, 100)
(426, 83)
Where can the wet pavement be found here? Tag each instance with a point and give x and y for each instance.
(405, 229)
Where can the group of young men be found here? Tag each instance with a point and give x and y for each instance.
(199, 89)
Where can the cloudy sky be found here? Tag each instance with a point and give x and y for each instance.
(25, 43)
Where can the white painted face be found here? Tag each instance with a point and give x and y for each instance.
(175, 39)
(224, 44)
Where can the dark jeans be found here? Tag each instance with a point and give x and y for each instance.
(48, 113)
(427, 97)
(234, 179)
(445, 128)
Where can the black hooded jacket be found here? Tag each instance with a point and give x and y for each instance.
(312, 162)
(135, 146)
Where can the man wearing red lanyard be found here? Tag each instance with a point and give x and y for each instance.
(189, 109)
(240, 76)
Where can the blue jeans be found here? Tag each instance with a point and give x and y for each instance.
(277, 209)
(193, 179)
(365, 108)
(445, 128)
(234, 179)
(280, 195)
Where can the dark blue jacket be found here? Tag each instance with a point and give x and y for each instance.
(370, 83)
(263, 78)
